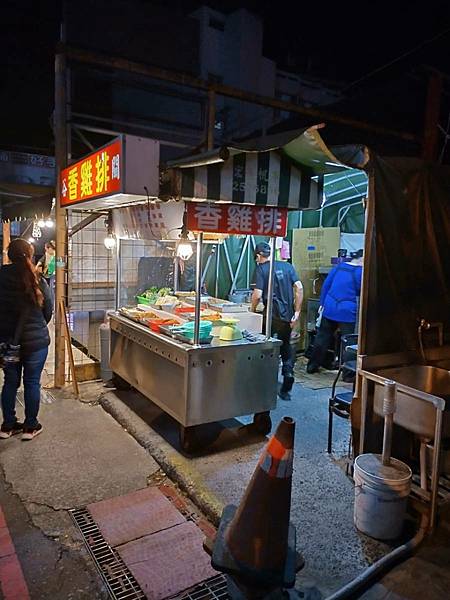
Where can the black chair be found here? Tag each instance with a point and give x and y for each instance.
(340, 403)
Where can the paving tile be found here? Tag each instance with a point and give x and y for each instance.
(126, 518)
(6, 545)
(12, 580)
(178, 501)
(168, 562)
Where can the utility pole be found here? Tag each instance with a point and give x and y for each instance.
(432, 114)
(60, 128)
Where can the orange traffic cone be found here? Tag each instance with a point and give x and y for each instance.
(255, 543)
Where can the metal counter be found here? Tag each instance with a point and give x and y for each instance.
(195, 384)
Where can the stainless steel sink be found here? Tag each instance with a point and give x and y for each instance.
(443, 364)
(412, 413)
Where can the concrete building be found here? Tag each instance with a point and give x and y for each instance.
(221, 47)
(231, 52)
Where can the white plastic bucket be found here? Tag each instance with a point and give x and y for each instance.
(381, 494)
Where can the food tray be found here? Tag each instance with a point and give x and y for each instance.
(167, 330)
(143, 300)
(191, 300)
(156, 324)
(180, 310)
(186, 340)
(164, 307)
(132, 317)
(228, 307)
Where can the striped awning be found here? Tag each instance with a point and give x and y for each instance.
(260, 178)
(287, 171)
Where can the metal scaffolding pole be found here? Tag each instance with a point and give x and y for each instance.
(270, 289)
(114, 62)
(60, 216)
(198, 270)
(239, 265)
(198, 288)
(217, 270)
(118, 271)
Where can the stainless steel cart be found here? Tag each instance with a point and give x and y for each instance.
(197, 384)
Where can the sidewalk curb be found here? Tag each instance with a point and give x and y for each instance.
(177, 467)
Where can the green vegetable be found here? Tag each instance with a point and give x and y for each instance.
(164, 292)
(153, 293)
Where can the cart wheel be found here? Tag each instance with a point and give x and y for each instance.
(262, 422)
(188, 439)
(119, 382)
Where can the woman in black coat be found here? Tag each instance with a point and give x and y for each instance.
(25, 309)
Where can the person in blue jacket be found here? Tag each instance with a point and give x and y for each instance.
(338, 305)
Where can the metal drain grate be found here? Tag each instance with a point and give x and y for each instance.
(212, 589)
(119, 581)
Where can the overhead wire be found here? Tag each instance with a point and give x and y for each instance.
(397, 59)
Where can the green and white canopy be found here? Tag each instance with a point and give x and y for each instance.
(284, 170)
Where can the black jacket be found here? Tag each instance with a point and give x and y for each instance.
(35, 334)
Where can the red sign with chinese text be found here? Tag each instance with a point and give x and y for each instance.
(241, 219)
(98, 174)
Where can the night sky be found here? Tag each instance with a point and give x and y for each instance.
(346, 40)
(339, 41)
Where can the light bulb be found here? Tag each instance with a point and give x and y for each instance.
(41, 223)
(31, 240)
(49, 223)
(109, 241)
(184, 250)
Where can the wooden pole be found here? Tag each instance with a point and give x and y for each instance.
(432, 114)
(60, 217)
(76, 389)
(6, 241)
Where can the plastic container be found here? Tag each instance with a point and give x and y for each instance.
(181, 310)
(143, 300)
(155, 324)
(381, 495)
(188, 329)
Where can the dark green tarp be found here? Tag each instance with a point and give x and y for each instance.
(410, 257)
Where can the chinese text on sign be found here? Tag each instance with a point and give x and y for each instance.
(98, 174)
(236, 219)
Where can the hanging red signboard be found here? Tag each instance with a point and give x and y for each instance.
(236, 219)
(98, 174)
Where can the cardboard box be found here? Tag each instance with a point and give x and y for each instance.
(307, 277)
(313, 247)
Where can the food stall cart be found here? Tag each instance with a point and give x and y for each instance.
(199, 380)
(196, 379)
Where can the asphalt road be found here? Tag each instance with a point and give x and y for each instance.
(322, 494)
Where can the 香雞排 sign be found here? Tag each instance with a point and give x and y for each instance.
(96, 175)
(237, 219)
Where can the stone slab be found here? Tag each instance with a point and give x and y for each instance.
(132, 516)
(168, 562)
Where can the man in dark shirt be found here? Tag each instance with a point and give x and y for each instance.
(287, 304)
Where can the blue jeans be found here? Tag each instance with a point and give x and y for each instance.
(32, 366)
